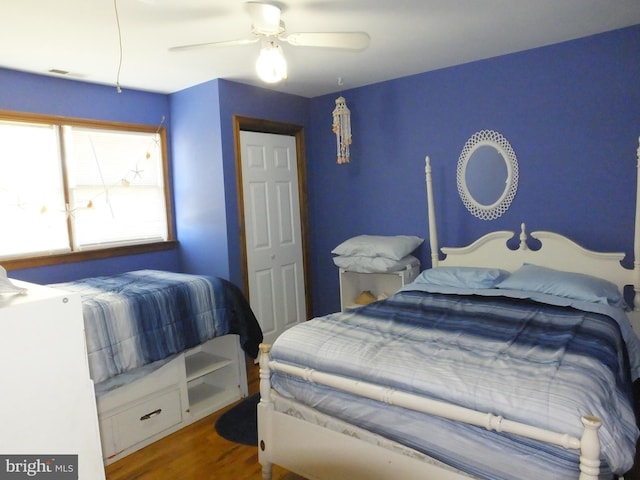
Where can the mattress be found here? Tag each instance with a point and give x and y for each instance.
(142, 317)
(526, 360)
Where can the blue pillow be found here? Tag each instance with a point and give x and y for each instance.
(462, 277)
(577, 286)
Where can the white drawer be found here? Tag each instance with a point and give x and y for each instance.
(168, 376)
(147, 418)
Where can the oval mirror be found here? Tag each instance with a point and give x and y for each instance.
(487, 175)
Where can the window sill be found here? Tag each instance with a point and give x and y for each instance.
(72, 257)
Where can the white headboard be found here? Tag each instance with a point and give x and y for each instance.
(556, 251)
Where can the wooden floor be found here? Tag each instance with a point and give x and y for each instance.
(196, 452)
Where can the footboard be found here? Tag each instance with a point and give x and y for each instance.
(314, 467)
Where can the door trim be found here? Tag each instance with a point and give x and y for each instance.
(278, 128)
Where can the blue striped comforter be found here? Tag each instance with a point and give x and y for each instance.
(140, 317)
(540, 364)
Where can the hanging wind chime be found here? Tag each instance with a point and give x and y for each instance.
(342, 129)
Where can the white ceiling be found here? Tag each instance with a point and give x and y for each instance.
(407, 37)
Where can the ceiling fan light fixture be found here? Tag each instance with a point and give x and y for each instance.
(271, 65)
(268, 28)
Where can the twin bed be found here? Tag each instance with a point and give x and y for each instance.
(138, 318)
(496, 363)
(164, 350)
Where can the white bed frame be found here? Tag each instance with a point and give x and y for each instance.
(323, 454)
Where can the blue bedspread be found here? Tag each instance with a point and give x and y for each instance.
(545, 365)
(140, 317)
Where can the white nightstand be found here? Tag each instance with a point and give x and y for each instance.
(353, 284)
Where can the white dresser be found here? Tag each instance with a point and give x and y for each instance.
(47, 406)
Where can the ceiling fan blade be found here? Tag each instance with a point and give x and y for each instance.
(227, 43)
(265, 18)
(346, 40)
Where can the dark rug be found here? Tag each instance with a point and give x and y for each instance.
(240, 424)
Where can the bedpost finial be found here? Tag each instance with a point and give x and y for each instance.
(427, 164)
(523, 237)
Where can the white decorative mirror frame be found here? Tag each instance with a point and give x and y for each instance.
(494, 208)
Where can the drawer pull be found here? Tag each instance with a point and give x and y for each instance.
(151, 414)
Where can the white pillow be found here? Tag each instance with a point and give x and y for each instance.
(357, 263)
(395, 247)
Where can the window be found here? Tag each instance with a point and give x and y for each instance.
(71, 187)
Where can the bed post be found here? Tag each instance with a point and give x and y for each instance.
(265, 373)
(266, 407)
(590, 449)
(433, 233)
(636, 238)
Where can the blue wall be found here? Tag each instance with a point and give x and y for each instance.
(25, 92)
(53, 96)
(205, 170)
(570, 111)
(198, 180)
(243, 100)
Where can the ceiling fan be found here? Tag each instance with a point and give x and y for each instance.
(268, 28)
